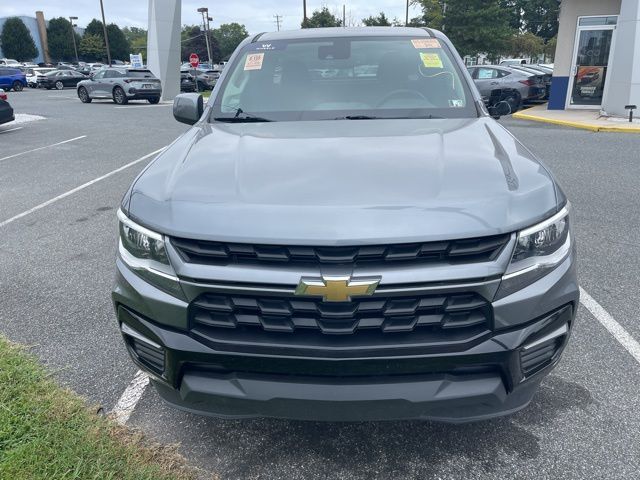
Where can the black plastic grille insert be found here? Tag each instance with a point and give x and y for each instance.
(455, 251)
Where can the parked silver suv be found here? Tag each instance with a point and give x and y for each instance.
(363, 245)
(121, 85)
(514, 86)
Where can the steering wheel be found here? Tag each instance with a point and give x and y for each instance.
(396, 93)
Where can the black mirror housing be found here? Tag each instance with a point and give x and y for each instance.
(188, 108)
(499, 109)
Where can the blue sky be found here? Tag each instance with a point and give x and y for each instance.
(257, 15)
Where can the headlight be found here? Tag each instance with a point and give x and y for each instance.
(539, 249)
(144, 252)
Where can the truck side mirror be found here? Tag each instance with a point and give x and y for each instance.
(499, 109)
(188, 108)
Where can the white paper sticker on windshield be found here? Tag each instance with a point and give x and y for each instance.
(254, 61)
(426, 43)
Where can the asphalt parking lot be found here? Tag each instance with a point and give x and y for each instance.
(61, 181)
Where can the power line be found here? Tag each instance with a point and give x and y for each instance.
(278, 19)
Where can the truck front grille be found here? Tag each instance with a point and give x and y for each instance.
(448, 321)
(455, 251)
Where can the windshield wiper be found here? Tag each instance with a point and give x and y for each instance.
(357, 117)
(368, 117)
(242, 117)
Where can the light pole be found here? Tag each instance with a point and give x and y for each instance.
(406, 21)
(106, 36)
(73, 37)
(205, 17)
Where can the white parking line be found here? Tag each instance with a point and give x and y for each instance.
(77, 189)
(42, 148)
(130, 398)
(146, 106)
(619, 333)
(11, 130)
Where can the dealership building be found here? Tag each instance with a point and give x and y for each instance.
(597, 61)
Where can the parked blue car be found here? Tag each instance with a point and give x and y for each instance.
(12, 78)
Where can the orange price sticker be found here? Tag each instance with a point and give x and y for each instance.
(426, 43)
(254, 61)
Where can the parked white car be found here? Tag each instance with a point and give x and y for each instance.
(9, 62)
(32, 75)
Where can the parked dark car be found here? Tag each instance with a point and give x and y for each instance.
(206, 78)
(6, 112)
(544, 76)
(187, 83)
(86, 70)
(12, 79)
(121, 84)
(60, 79)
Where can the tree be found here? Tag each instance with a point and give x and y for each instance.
(60, 41)
(380, 21)
(118, 44)
(229, 36)
(525, 44)
(194, 41)
(137, 38)
(322, 18)
(16, 41)
(432, 14)
(550, 48)
(474, 26)
(94, 28)
(92, 48)
(539, 17)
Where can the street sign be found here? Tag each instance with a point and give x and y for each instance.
(136, 60)
(194, 60)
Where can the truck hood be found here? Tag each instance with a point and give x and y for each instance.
(343, 182)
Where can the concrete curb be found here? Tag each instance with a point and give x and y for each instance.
(593, 127)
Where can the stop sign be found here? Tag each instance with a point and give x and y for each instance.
(194, 60)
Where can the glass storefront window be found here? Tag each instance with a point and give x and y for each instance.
(594, 21)
(592, 60)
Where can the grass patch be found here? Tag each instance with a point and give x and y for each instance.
(47, 432)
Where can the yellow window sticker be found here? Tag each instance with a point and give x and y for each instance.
(254, 61)
(426, 43)
(431, 60)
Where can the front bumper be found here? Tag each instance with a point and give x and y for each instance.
(496, 375)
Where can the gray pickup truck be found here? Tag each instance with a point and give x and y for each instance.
(368, 244)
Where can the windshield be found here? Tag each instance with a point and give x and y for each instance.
(353, 78)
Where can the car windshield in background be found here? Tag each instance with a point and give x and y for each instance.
(344, 78)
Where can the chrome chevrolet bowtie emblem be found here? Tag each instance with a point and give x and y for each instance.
(337, 289)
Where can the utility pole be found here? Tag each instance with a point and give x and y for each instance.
(203, 11)
(106, 35)
(278, 17)
(406, 21)
(304, 11)
(344, 16)
(73, 36)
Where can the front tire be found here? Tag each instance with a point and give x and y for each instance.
(17, 86)
(153, 100)
(59, 85)
(119, 96)
(83, 95)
